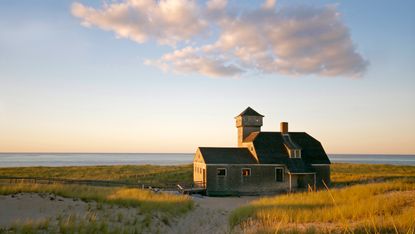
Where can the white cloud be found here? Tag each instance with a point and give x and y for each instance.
(301, 40)
(167, 21)
(216, 4)
(192, 60)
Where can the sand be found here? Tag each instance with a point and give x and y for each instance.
(210, 214)
(25, 206)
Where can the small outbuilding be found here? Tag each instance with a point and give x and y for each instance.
(263, 162)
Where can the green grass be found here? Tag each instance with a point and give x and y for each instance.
(341, 173)
(157, 176)
(146, 200)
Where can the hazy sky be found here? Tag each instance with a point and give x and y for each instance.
(171, 75)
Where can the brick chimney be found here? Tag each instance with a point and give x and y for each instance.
(284, 127)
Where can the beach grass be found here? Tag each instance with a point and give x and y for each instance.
(382, 207)
(166, 176)
(153, 175)
(349, 174)
(74, 224)
(363, 198)
(146, 200)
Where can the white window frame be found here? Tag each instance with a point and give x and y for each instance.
(221, 168)
(295, 153)
(282, 174)
(246, 168)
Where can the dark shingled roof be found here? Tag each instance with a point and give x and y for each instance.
(297, 165)
(312, 151)
(219, 155)
(249, 112)
(270, 148)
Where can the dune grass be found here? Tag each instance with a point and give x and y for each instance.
(165, 176)
(348, 174)
(386, 207)
(154, 175)
(84, 224)
(363, 198)
(146, 200)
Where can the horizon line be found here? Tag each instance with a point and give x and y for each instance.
(75, 152)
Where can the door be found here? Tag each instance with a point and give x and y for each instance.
(301, 182)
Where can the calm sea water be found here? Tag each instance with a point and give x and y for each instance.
(84, 159)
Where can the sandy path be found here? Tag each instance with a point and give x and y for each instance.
(30, 206)
(209, 216)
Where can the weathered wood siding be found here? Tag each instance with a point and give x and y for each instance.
(323, 173)
(261, 181)
(199, 171)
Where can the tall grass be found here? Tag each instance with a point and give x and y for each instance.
(348, 174)
(30, 226)
(370, 208)
(341, 173)
(144, 174)
(146, 200)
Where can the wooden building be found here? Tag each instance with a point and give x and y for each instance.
(263, 162)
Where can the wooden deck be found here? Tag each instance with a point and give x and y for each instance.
(192, 190)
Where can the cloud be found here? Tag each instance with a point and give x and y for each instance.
(167, 21)
(192, 60)
(297, 41)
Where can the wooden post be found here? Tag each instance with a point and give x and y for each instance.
(290, 181)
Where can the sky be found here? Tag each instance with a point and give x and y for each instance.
(171, 75)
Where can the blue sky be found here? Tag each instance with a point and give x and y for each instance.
(66, 87)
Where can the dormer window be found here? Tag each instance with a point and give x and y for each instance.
(295, 153)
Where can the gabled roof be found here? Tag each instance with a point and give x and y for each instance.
(289, 143)
(270, 148)
(311, 149)
(249, 112)
(220, 155)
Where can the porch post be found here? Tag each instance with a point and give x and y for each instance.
(290, 180)
(315, 182)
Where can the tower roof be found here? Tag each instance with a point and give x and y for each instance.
(249, 112)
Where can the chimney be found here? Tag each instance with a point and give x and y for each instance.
(284, 127)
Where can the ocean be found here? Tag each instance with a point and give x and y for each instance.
(90, 159)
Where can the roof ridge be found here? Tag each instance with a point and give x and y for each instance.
(211, 147)
(249, 112)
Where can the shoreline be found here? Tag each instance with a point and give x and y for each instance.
(163, 159)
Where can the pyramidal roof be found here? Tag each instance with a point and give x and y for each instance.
(249, 112)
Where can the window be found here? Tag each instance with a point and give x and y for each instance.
(295, 153)
(279, 174)
(246, 171)
(221, 172)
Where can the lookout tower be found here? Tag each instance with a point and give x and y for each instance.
(247, 122)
